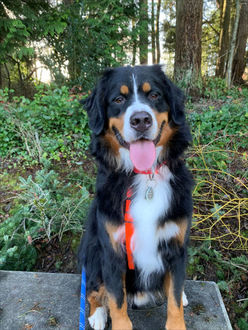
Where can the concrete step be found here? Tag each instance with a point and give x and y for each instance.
(30, 300)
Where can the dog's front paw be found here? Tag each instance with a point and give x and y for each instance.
(175, 326)
(98, 320)
(122, 324)
(185, 300)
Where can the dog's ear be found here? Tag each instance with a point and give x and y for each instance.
(95, 105)
(95, 110)
(175, 99)
(176, 103)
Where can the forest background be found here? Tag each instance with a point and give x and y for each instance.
(46, 173)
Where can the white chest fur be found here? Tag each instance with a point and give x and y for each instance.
(146, 214)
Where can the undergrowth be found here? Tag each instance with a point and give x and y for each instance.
(53, 125)
(218, 160)
(229, 272)
(45, 206)
(219, 163)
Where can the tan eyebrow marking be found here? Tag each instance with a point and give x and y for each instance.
(124, 89)
(146, 87)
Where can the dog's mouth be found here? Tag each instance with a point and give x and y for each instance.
(142, 150)
(141, 137)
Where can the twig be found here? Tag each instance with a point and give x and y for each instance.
(231, 263)
(244, 299)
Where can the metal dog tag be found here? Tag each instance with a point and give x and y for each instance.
(149, 193)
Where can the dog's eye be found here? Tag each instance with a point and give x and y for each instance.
(119, 100)
(153, 96)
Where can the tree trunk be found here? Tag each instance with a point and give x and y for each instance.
(1, 77)
(240, 58)
(187, 67)
(232, 46)
(153, 35)
(22, 86)
(224, 38)
(68, 2)
(157, 31)
(8, 75)
(134, 43)
(143, 25)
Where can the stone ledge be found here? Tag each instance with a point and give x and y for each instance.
(51, 300)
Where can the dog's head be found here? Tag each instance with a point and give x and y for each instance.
(137, 117)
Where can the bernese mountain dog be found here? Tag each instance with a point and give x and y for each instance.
(139, 134)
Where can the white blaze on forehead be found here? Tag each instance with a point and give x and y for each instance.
(136, 106)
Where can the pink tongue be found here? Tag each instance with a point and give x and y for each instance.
(142, 154)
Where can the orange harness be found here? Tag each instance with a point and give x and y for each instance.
(129, 230)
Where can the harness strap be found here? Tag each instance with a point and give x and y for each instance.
(129, 230)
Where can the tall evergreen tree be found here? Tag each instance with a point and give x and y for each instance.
(232, 45)
(240, 57)
(187, 69)
(143, 31)
(157, 31)
(225, 14)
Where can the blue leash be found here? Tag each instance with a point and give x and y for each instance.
(82, 301)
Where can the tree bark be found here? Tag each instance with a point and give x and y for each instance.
(143, 38)
(224, 38)
(134, 43)
(240, 57)
(187, 67)
(157, 31)
(153, 35)
(1, 77)
(232, 46)
(8, 75)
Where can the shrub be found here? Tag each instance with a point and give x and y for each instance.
(47, 207)
(215, 88)
(52, 125)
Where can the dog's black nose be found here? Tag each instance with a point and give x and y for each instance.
(141, 121)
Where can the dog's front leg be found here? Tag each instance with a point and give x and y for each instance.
(173, 286)
(175, 314)
(114, 278)
(118, 313)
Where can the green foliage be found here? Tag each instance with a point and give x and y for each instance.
(16, 254)
(230, 119)
(206, 254)
(52, 125)
(205, 262)
(27, 22)
(23, 23)
(97, 36)
(222, 130)
(47, 206)
(243, 322)
(215, 88)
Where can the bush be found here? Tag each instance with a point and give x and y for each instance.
(52, 125)
(47, 207)
(222, 131)
(215, 88)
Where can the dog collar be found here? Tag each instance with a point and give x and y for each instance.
(150, 171)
